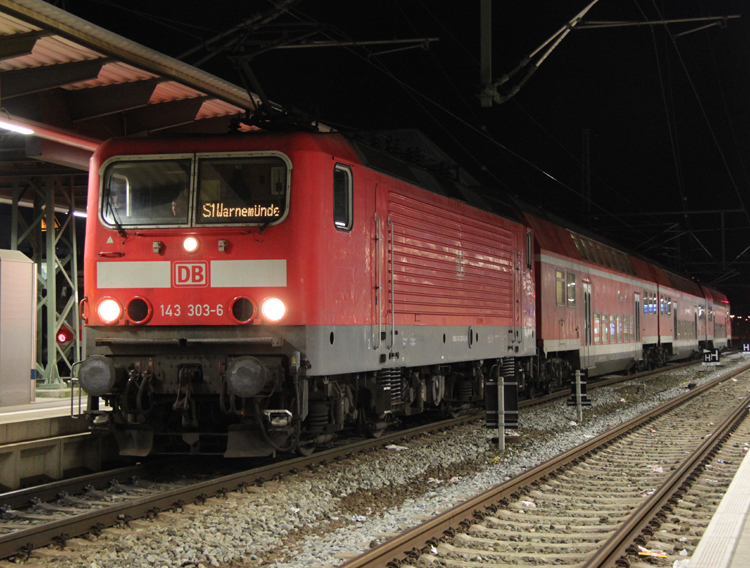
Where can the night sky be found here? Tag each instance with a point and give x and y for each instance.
(668, 115)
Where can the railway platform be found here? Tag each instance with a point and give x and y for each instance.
(43, 417)
(726, 542)
(41, 441)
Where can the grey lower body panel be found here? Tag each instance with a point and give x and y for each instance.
(344, 349)
(330, 350)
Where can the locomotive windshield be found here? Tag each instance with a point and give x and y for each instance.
(146, 192)
(239, 190)
(248, 190)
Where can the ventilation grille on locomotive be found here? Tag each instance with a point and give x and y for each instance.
(390, 380)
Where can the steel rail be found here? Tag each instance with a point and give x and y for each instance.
(48, 491)
(593, 385)
(412, 542)
(619, 544)
(63, 529)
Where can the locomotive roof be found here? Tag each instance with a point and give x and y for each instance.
(412, 157)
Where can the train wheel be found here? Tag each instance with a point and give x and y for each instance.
(306, 448)
(373, 431)
(530, 390)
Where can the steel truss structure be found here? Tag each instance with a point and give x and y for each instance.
(51, 235)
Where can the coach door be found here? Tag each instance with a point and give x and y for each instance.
(586, 322)
(695, 325)
(637, 318)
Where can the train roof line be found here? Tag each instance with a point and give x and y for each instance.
(402, 153)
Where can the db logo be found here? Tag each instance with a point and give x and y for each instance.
(190, 274)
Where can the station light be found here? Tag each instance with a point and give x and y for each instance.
(15, 128)
(64, 335)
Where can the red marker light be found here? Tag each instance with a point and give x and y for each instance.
(64, 335)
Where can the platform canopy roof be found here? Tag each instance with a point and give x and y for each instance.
(76, 84)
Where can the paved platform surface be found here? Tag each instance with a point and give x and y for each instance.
(41, 419)
(40, 409)
(726, 543)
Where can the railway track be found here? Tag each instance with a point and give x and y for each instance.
(56, 512)
(600, 383)
(646, 488)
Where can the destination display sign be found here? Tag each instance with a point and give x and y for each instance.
(219, 210)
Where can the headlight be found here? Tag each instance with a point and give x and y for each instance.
(243, 310)
(139, 310)
(109, 310)
(190, 244)
(273, 309)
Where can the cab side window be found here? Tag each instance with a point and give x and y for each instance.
(342, 197)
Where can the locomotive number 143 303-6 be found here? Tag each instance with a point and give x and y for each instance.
(193, 310)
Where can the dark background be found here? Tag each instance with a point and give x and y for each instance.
(668, 116)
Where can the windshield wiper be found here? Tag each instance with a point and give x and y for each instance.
(111, 207)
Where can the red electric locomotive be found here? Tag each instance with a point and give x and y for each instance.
(258, 293)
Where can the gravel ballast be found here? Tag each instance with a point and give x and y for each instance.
(327, 516)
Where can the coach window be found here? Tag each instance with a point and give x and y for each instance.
(593, 253)
(661, 304)
(619, 328)
(612, 329)
(571, 290)
(577, 242)
(529, 251)
(342, 197)
(597, 330)
(560, 287)
(589, 255)
(617, 257)
(645, 302)
(605, 255)
(605, 328)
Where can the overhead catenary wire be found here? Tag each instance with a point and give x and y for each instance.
(473, 58)
(529, 65)
(705, 116)
(171, 23)
(730, 124)
(415, 93)
(461, 143)
(671, 123)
